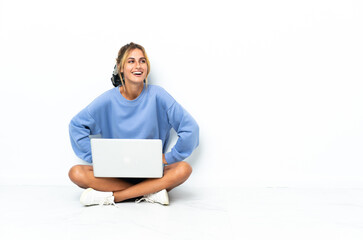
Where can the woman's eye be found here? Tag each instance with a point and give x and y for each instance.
(131, 61)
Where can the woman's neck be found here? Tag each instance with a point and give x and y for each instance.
(132, 91)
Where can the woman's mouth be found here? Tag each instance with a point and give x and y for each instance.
(137, 73)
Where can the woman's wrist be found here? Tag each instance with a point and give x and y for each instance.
(164, 160)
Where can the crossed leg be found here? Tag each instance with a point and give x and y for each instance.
(174, 175)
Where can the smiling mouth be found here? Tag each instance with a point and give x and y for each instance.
(137, 73)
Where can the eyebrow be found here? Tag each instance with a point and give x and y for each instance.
(134, 58)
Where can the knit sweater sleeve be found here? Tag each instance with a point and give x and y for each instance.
(187, 130)
(80, 128)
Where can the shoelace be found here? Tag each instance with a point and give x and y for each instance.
(145, 198)
(107, 201)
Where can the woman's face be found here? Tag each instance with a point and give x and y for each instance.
(135, 68)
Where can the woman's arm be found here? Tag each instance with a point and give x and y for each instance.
(80, 128)
(188, 134)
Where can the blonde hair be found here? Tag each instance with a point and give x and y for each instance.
(123, 53)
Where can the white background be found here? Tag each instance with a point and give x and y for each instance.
(276, 86)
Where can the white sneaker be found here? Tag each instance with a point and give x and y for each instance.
(158, 197)
(92, 197)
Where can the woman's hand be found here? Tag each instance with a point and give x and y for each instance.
(164, 161)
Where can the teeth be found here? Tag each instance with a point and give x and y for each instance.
(138, 73)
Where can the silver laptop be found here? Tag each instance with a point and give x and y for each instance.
(127, 158)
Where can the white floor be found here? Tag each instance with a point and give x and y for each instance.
(54, 212)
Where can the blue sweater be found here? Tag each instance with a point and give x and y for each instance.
(150, 116)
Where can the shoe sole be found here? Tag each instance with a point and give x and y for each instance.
(83, 196)
(167, 197)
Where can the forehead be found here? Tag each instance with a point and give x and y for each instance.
(136, 53)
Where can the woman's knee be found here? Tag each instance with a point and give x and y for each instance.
(184, 170)
(78, 175)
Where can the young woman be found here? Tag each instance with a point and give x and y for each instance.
(133, 110)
